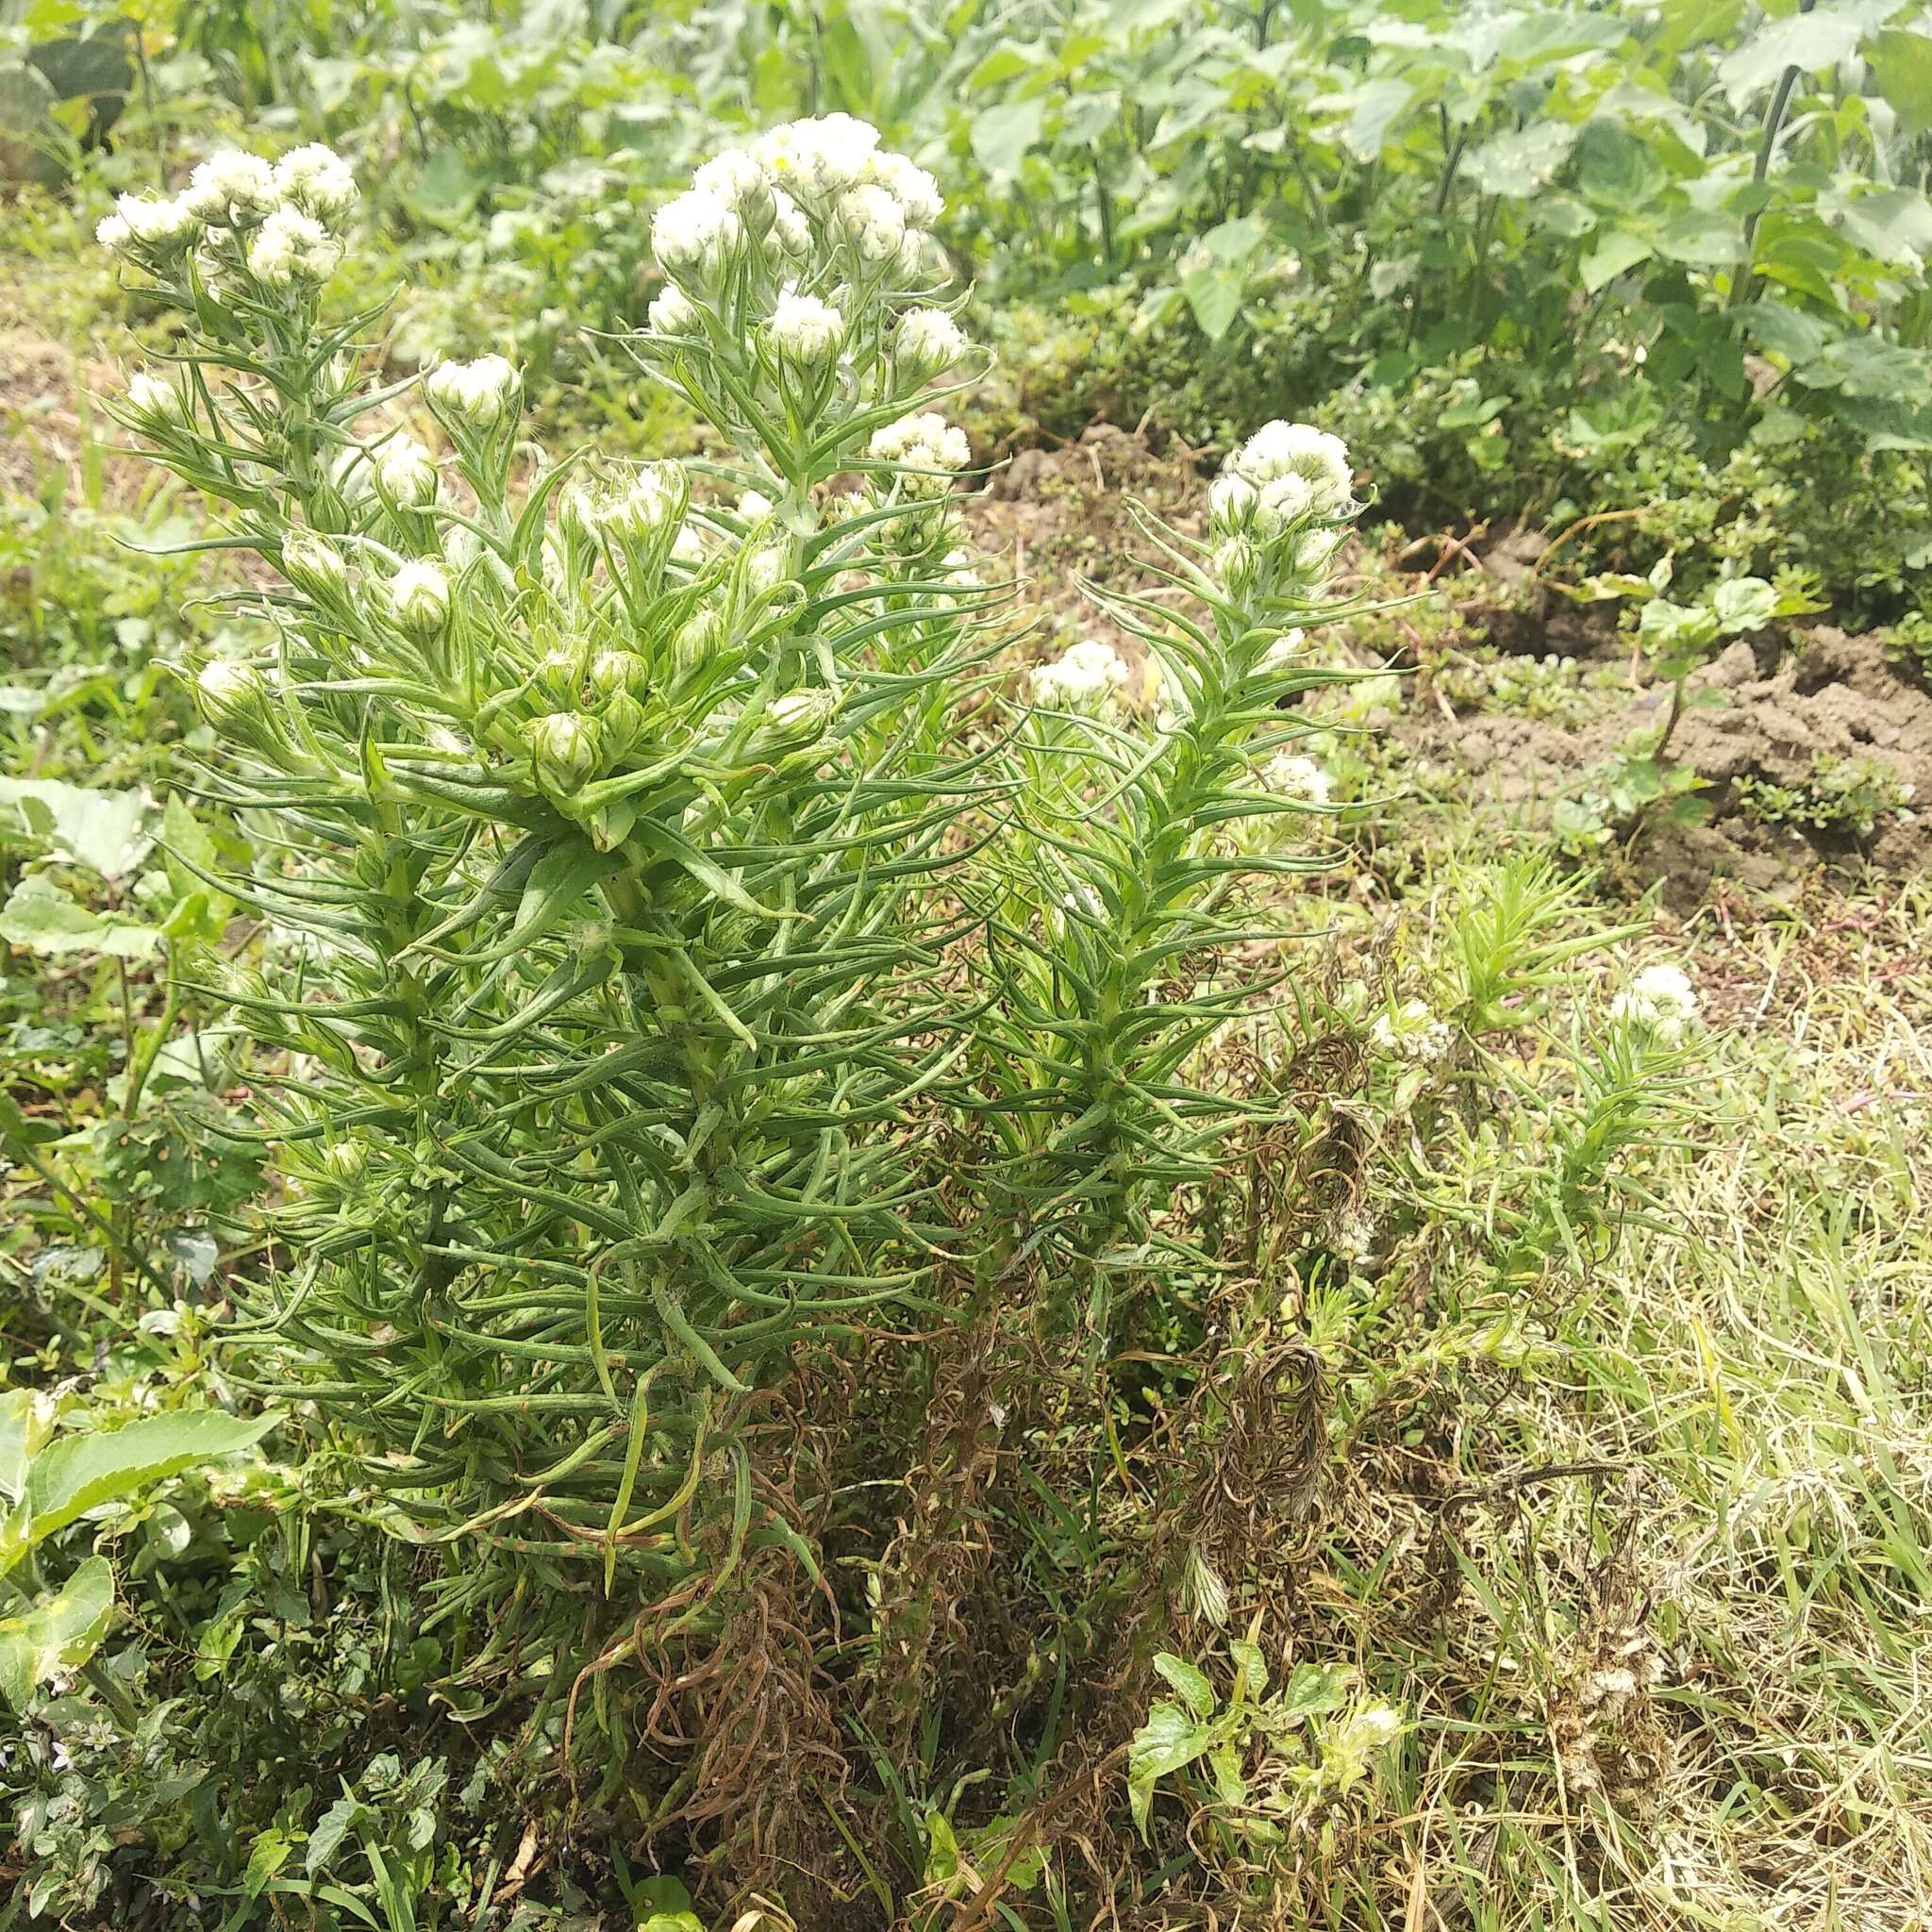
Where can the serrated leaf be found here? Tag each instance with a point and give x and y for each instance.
(1744, 604)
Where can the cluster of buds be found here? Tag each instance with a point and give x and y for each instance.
(241, 225)
(1276, 508)
(1085, 679)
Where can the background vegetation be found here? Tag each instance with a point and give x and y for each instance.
(1490, 1484)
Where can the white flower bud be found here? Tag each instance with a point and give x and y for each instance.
(1289, 774)
(699, 635)
(696, 236)
(419, 599)
(873, 222)
(816, 161)
(927, 343)
(566, 746)
(1660, 1001)
(1230, 501)
(344, 1161)
(1084, 678)
(155, 403)
(622, 721)
(404, 472)
(314, 565)
(674, 313)
(612, 672)
(228, 691)
(290, 247)
(805, 331)
(925, 449)
(144, 226)
(1411, 1032)
(742, 185)
(754, 506)
(798, 716)
(911, 187)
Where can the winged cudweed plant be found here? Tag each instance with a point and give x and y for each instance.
(596, 813)
(1125, 938)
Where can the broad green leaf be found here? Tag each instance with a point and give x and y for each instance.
(1901, 62)
(1744, 604)
(101, 830)
(1215, 295)
(1188, 1679)
(1312, 1690)
(1810, 42)
(1702, 238)
(1782, 330)
(1667, 626)
(1523, 161)
(1617, 251)
(1168, 1740)
(1375, 110)
(59, 1633)
(26, 1421)
(76, 1474)
(1616, 167)
(1002, 135)
(47, 921)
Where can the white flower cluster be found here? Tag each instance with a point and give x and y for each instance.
(1411, 1032)
(1285, 474)
(480, 393)
(284, 221)
(639, 506)
(1662, 1000)
(827, 174)
(926, 343)
(1289, 774)
(926, 450)
(1084, 678)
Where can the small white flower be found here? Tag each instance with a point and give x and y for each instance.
(292, 247)
(154, 402)
(754, 506)
(764, 568)
(1661, 1000)
(318, 181)
(419, 596)
(695, 234)
(674, 313)
(791, 231)
(688, 546)
(141, 224)
(1231, 500)
(805, 330)
(1298, 449)
(741, 183)
(910, 186)
(1352, 1232)
(231, 190)
(1084, 678)
(927, 451)
(927, 343)
(1411, 1032)
(1282, 503)
(482, 393)
(816, 161)
(404, 472)
(639, 506)
(1289, 774)
(874, 220)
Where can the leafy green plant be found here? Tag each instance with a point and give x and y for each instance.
(1839, 795)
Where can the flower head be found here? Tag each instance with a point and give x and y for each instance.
(1297, 449)
(696, 236)
(567, 747)
(674, 313)
(292, 247)
(144, 226)
(232, 190)
(1661, 1000)
(404, 472)
(482, 393)
(805, 330)
(927, 451)
(927, 342)
(313, 564)
(1410, 1032)
(816, 161)
(154, 402)
(419, 596)
(1289, 774)
(874, 220)
(1083, 678)
(227, 690)
(318, 181)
